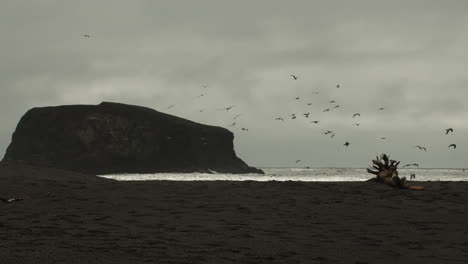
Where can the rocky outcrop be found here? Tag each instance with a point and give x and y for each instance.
(119, 138)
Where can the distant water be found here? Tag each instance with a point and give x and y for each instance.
(298, 174)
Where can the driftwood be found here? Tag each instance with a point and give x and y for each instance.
(9, 200)
(386, 171)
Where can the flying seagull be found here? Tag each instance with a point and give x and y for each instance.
(297, 161)
(86, 36)
(338, 86)
(293, 116)
(315, 121)
(306, 115)
(332, 135)
(381, 108)
(453, 145)
(448, 130)
(356, 124)
(336, 106)
(346, 144)
(279, 118)
(413, 164)
(383, 138)
(331, 102)
(356, 114)
(233, 124)
(170, 106)
(245, 129)
(201, 95)
(326, 110)
(237, 116)
(297, 98)
(421, 148)
(309, 104)
(328, 132)
(294, 76)
(227, 108)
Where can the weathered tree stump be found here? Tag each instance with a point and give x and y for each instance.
(386, 171)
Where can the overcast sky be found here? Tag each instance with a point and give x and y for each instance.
(409, 57)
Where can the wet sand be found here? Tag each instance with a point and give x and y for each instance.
(75, 218)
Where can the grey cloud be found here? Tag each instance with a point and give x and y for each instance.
(408, 57)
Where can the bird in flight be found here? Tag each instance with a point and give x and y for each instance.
(306, 115)
(233, 124)
(309, 103)
(293, 116)
(356, 114)
(326, 110)
(297, 161)
(381, 108)
(338, 86)
(328, 132)
(331, 102)
(453, 145)
(332, 135)
(315, 121)
(170, 106)
(448, 130)
(356, 124)
(413, 164)
(315, 92)
(336, 106)
(205, 86)
(279, 118)
(86, 36)
(346, 144)
(245, 129)
(294, 76)
(421, 148)
(228, 108)
(237, 116)
(201, 95)
(297, 98)
(383, 138)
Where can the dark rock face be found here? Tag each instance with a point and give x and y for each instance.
(118, 138)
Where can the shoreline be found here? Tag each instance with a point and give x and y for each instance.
(75, 218)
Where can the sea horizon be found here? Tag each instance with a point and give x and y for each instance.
(300, 174)
(331, 167)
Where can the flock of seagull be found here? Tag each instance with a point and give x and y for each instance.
(346, 144)
(306, 115)
(329, 133)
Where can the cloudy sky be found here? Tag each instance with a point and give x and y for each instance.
(409, 57)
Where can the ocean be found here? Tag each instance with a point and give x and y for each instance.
(299, 174)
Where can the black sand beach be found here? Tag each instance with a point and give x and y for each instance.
(74, 218)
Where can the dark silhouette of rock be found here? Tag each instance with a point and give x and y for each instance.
(119, 138)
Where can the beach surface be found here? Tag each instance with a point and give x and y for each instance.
(68, 217)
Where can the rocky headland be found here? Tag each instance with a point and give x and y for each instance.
(119, 138)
